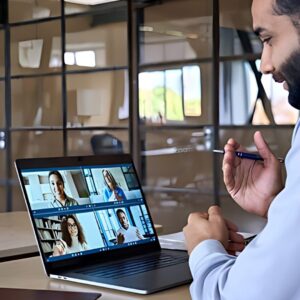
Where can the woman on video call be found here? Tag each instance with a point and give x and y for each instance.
(112, 191)
(73, 239)
(58, 190)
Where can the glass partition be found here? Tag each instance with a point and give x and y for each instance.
(175, 95)
(86, 142)
(91, 43)
(176, 31)
(20, 10)
(28, 144)
(177, 106)
(37, 101)
(179, 160)
(36, 48)
(98, 99)
(236, 34)
(104, 7)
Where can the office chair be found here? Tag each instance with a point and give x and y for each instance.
(106, 144)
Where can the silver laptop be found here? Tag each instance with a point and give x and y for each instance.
(93, 226)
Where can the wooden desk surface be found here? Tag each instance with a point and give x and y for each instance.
(28, 273)
(17, 236)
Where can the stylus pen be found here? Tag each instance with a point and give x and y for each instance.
(246, 155)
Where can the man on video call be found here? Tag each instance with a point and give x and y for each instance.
(126, 233)
(268, 268)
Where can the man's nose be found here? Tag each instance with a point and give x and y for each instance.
(266, 65)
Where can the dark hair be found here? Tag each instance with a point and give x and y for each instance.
(119, 211)
(65, 232)
(110, 178)
(57, 174)
(60, 178)
(290, 8)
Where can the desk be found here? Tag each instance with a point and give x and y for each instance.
(17, 239)
(16, 274)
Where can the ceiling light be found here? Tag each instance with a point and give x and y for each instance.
(90, 2)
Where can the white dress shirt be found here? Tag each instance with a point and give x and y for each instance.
(130, 234)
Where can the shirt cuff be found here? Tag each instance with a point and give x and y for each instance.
(202, 250)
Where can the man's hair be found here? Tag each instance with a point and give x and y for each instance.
(289, 8)
(120, 211)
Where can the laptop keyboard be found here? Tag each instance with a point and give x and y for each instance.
(133, 266)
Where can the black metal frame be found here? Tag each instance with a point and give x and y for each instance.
(216, 80)
(8, 154)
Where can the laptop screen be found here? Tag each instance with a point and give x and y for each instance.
(86, 209)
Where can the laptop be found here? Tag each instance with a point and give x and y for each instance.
(93, 226)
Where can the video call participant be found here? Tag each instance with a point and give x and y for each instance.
(112, 191)
(58, 190)
(73, 239)
(126, 233)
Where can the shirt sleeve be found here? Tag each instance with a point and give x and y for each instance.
(209, 264)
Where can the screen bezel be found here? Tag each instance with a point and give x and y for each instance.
(81, 161)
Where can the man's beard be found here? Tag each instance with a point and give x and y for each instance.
(290, 70)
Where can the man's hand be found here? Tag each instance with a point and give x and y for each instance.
(252, 184)
(236, 241)
(120, 238)
(211, 225)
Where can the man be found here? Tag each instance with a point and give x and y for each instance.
(268, 268)
(126, 233)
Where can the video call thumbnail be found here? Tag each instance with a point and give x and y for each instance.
(73, 187)
(77, 233)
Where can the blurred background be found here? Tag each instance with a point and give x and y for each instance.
(165, 80)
